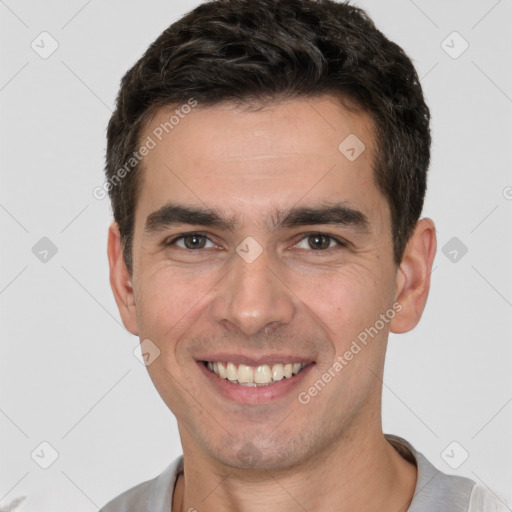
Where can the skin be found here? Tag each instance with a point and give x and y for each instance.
(329, 454)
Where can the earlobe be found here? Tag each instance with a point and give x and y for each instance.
(121, 280)
(413, 276)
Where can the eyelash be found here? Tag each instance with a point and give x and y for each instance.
(339, 242)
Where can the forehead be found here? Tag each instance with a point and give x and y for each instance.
(316, 124)
(272, 156)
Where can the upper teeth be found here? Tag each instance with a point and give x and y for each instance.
(254, 375)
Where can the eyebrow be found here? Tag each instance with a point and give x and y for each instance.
(338, 214)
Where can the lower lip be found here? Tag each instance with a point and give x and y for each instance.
(254, 394)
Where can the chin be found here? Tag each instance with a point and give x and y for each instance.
(261, 453)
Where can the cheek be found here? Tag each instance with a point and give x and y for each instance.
(168, 304)
(347, 300)
(168, 307)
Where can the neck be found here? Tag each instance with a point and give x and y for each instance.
(360, 472)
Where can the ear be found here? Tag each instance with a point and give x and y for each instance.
(121, 280)
(413, 276)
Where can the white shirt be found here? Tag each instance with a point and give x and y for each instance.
(435, 491)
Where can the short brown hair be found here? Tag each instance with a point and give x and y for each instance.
(249, 51)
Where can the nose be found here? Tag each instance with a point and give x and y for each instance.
(253, 296)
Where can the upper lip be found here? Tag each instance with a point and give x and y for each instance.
(255, 360)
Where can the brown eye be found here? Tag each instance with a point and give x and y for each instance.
(319, 241)
(194, 241)
(190, 241)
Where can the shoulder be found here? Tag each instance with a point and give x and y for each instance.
(483, 500)
(436, 490)
(154, 494)
(136, 498)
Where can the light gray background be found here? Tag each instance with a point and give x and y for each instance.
(68, 373)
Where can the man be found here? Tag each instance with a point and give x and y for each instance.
(267, 167)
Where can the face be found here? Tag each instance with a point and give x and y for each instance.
(260, 247)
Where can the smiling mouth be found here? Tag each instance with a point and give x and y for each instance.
(262, 375)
